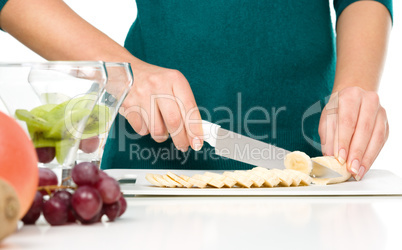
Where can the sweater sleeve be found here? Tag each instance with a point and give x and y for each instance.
(340, 5)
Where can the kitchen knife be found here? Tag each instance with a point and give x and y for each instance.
(245, 149)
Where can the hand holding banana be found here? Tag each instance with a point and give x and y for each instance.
(354, 128)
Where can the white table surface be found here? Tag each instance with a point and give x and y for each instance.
(231, 223)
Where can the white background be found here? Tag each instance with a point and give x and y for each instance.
(114, 18)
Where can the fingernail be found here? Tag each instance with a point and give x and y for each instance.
(359, 176)
(355, 166)
(183, 149)
(197, 144)
(342, 156)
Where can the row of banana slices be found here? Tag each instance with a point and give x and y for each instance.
(256, 177)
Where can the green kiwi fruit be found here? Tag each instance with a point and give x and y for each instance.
(63, 148)
(32, 120)
(67, 125)
(97, 121)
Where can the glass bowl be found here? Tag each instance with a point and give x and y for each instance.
(53, 101)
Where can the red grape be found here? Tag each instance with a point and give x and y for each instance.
(55, 211)
(109, 189)
(46, 178)
(96, 218)
(34, 211)
(123, 204)
(85, 173)
(46, 154)
(86, 202)
(112, 211)
(102, 175)
(66, 196)
(89, 145)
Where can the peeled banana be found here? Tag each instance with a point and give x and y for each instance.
(332, 163)
(299, 161)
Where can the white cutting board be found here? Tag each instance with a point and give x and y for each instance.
(376, 182)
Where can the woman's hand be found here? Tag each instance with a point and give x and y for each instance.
(354, 127)
(161, 102)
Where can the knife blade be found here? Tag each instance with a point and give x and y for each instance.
(251, 151)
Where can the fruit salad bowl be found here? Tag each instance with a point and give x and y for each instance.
(119, 82)
(56, 103)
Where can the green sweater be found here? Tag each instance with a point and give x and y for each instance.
(264, 62)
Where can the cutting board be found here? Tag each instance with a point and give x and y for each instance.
(376, 182)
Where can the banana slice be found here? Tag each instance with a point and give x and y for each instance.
(179, 180)
(332, 163)
(286, 179)
(257, 181)
(298, 161)
(306, 180)
(194, 182)
(171, 181)
(150, 178)
(296, 178)
(271, 179)
(162, 181)
(210, 180)
(228, 181)
(241, 180)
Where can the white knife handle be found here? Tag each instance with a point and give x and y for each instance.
(210, 132)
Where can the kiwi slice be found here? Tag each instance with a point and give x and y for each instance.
(66, 126)
(40, 142)
(97, 121)
(63, 148)
(42, 110)
(32, 120)
(61, 110)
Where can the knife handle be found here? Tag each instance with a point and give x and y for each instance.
(210, 132)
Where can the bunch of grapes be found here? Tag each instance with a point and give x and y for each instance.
(95, 194)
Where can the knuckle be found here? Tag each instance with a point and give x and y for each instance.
(351, 93)
(347, 121)
(140, 128)
(189, 104)
(366, 127)
(142, 91)
(175, 74)
(382, 112)
(357, 153)
(381, 135)
(158, 131)
(372, 97)
(355, 91)
(173, 120)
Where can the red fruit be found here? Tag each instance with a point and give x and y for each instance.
(34, 211)
(47, 177)
(112, 211)
(109, 190)
(46, 154)
(18, 161)
(86, 202)
(85, 173)
(123, 205)
(55, 211)
(89, 145)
